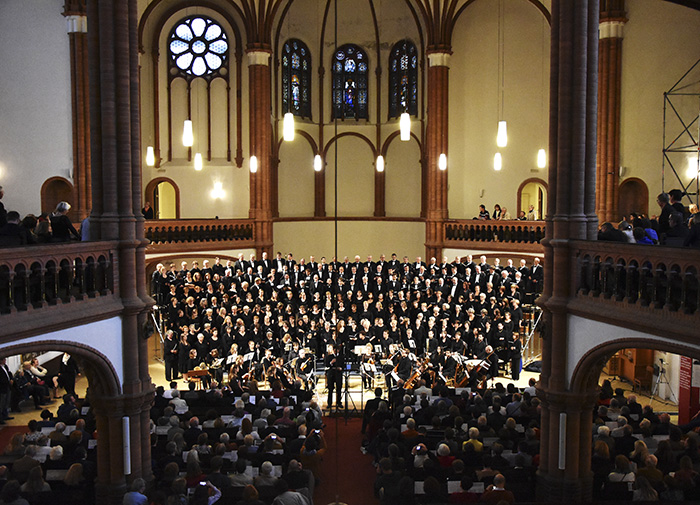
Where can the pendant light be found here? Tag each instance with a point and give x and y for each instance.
(541, 158)
(502, 134)
(405, 126)
(380, 163)
(497, 162)
(187, 134)
(198, 165)
(442, 162)
(150, 157)
(318, 163)
(253, 164)
(288, 127)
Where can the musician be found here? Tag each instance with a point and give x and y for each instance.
(215, 364)
(170, 356)
(303, 367)
(368, 368)
(449, 367)
(334, 376)
(404, 366)
(515, 348)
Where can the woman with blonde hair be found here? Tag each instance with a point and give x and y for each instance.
(61, 225)
(640, 453)
(74, 475)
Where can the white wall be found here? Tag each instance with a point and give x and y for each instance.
(660, 45)
(354, 237)
(474, 104)
(103, 336)
(35, 100)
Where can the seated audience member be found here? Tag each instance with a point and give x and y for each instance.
(35, 482)
(240, 478)
(464, 495)
(250, 496)
(497, 492)
(10, 494)
(136, 495)
(622, 472)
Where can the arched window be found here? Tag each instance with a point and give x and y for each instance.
(403, 79)
(198, 47)
(296, 78)
(350, 68)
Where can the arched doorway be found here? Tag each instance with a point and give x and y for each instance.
(164, 196)
(532, 192)
(633, 197)
(55, 190)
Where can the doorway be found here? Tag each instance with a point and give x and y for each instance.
(164, 196)
(533, 192)
(633, 197)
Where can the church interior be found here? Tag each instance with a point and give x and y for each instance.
(305, 167)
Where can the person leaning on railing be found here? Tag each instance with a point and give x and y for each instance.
(63, 230)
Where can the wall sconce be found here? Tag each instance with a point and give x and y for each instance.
(318, 163)
(442, 162)
(253, 164)
(150, 157)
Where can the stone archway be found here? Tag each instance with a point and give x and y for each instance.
(117, 415)
(532, 191)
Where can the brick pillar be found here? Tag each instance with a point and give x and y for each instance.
(571, 215)
(436, 211)
(116, 215)
(612, 21)
(75, 12)
(260, 146)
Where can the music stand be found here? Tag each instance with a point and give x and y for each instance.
(347, 396)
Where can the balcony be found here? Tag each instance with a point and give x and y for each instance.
(54, 286)
(176, 235)
(507, 236)
(648, 288)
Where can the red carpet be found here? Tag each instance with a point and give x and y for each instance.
(6, 433)
(354, 484)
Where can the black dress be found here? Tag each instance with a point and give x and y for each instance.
(62, 228)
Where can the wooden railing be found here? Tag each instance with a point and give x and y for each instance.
(34, 277)
(652, 288)
(174, 235)
(497, 235)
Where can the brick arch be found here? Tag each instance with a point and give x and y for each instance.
(587, 371)
(58, 189)
(519, 195)
(100, 372)
(633, 196)
(151, 187)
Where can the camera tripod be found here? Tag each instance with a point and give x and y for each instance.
(662, 378)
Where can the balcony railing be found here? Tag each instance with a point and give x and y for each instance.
(34, 277)
(643, 286)
(497, 235)
(171, 235)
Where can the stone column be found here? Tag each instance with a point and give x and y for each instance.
(261, 146)
(571, 215)
(436, 143)
(116, 193)
(75, 12)
(612, 21)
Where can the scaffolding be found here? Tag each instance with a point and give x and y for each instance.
(681, 131)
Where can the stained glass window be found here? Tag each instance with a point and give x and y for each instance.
(198, 47)
(296, 78)
(403, 79)
(350, 78)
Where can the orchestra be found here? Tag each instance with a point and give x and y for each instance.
(399, 322)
